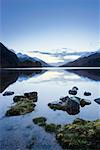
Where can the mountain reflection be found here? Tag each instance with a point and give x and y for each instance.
(8, 77)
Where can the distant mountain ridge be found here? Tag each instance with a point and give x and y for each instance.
(8, 59)
(92, 60)
(33, 61)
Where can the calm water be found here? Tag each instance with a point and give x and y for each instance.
(17, 132)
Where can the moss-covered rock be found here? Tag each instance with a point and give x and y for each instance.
(52, 127)
(32, 96)
(21, 108)
(80, 134)
(19, 98)
(41, 121)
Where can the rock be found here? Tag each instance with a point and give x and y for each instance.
(80, 134)
(75, 88)
(64, 99)
(70, 105)
(97, 100)
(51, 127)
(87, 93)
(84, 102)
(8, 93)
(21, 108)
(31, 96)
(41, 121)
(19, 98)
(73, 92)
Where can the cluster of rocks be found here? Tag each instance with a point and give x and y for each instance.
(71, 104)
(74, 91)
(80, 134)
(23, 104)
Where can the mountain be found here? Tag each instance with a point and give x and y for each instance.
(92, 60)
(27, 61)
(8, 58)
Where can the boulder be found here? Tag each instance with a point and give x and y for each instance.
(97, 100)
(21, 108)
(69, 104)
(72, 92)
(84, 102)
(87, 93)
(8, 93)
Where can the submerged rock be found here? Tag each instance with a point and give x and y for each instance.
(84, 102)
(97, 100)
(87, 93)
(21, 108)
(8, 93)
(40, 121)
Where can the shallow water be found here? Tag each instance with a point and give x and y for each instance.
(17, 132)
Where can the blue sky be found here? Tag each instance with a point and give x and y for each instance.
(50, 24)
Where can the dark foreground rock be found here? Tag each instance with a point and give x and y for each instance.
(24, 104)
(8, 93)
(80, 134)
(69, 104)
(40, 121)
(97, 100)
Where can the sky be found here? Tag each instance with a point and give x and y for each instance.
(28, 25)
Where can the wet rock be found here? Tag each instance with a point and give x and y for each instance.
(19, 98)
(72, 92)
(41, 121)
(80, 134)
(21, 108)
(8, 93)
(84, 102)
(64, 99)
(31, 96)
(97, 100)
(75, 88)
(87, 93)
(52, 127)
(70, 105)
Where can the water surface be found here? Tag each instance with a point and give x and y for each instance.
(17, 132)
